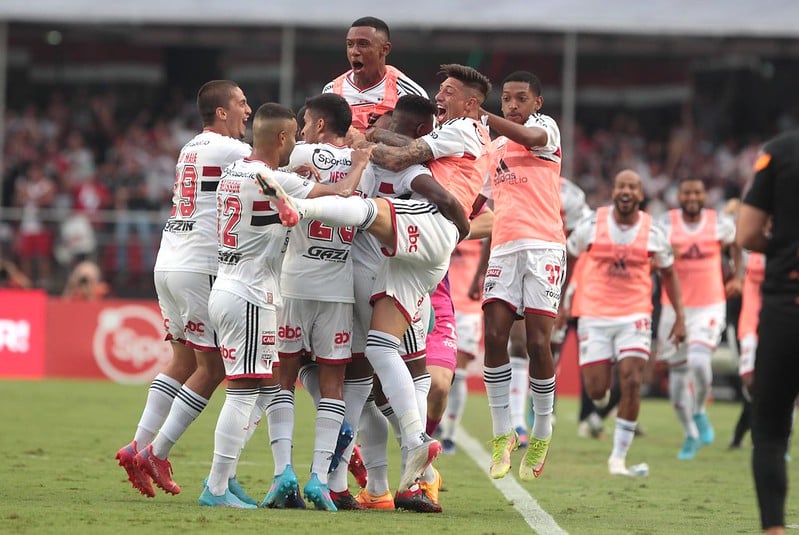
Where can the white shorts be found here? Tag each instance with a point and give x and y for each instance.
(419, 258)
(609, 340)
(529, 281)
(704, 326)
(469, 329)
(412, 345)
(183, 298)
(247, 335)
(746, 364)
(320, 329)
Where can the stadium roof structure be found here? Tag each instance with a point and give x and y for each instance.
(744, 18)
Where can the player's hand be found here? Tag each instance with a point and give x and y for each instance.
(733, 287)
(476, 288)
(360, 157)
(308, 171)
(355, 138)
(678, 333)
(562, 317)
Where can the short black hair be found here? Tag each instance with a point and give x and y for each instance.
(300, 119)
(689, 178)
(333, 109)
(526, 77)
(372, 22)
(415, 105)
(211, 96)
(273, 110)
(469, 77)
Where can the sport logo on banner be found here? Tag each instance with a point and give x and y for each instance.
(128, 343)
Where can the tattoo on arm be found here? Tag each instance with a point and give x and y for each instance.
(398, 158)
(388, 137)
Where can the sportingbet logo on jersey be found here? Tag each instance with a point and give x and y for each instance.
(323, 160)
(413, 238)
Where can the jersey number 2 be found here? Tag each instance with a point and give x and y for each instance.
(231, 214)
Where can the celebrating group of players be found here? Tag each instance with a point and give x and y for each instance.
(326, 260)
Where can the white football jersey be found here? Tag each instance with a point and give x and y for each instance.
(188, 242)
(250, 238)
(585, 233)
(379, 182)
(574, 206)
(318, 265)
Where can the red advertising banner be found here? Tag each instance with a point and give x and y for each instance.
(22, 333)
(120, 340)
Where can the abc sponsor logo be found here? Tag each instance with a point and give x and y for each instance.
(128, 345)
(342, 338)
(413, 238)
(287, 332)
(15, 336)
(228, 353)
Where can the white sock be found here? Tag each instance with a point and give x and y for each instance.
(309, 378)
(623, 438)
(338, 211)
(265, 396)
(699, 360)
(497, 382)
(382, 352)
(356, 392)
(543, 393)
(280, 417)
(231, 429)
(185, 409)
(388, 413)
(519, 386)
(422, 386)
(681, 398)
(160, 395)
(328, 424)
(373, 436)
(456, 403)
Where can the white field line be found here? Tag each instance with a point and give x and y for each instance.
(538, 519)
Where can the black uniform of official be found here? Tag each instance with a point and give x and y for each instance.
(775, 190)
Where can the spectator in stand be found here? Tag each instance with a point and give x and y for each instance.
(34, 191)
(11, 277)
(85, 283)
